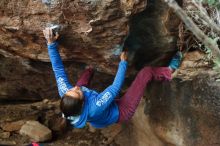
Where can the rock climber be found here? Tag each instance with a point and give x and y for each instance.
(79, 104)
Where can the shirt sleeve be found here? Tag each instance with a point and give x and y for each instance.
(104, 99)
(62, 81)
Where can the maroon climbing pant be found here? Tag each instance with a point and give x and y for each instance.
(85, 78)
(129, 102)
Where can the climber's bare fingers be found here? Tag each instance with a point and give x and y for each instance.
(56, 36)
(50, 33)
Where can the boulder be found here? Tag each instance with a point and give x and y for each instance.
(36, 131)
(183, 112)
(186, 111)
(92, 32)
(138, 131)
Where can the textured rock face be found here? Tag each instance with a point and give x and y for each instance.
(152, 37)
(138, 131)
(37, 131)
(93, 32)
(186, 112)
(183, 112)
(91, 29)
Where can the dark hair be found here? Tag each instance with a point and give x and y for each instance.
(71, 106)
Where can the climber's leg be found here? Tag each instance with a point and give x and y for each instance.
(129, 102)
(85, 78)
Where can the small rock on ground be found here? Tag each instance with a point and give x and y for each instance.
(5, 135)
(36, 131)
(13, 126)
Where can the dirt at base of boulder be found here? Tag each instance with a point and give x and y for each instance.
(45, 112)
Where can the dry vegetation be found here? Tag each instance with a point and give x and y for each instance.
(200, 28)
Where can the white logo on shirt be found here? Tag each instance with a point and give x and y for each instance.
(84, 89)
(62, 85)
(103, 99)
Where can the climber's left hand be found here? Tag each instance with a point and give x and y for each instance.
(48, 34)
(123, 56)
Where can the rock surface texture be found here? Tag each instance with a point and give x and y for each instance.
(37, 131)
(184, 112)
(92, 32)
(91, 29)
(189, 115)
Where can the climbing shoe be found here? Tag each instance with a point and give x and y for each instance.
(176, 60)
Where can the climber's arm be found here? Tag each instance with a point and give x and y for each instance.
(57, 65)
(104, 99)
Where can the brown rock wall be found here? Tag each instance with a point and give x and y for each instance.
(88, 27)
(93, 32)
(185, 112)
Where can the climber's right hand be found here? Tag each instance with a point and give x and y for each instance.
(48, 34)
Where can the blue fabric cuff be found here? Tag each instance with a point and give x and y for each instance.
(124, 62)
(52, 45)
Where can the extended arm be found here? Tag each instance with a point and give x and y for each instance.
(57, 65)
(119, 78)
(104, 99)
(63, 83)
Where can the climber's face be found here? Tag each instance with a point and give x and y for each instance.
(75, 92)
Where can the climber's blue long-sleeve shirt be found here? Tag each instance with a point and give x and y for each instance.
(99, 109)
